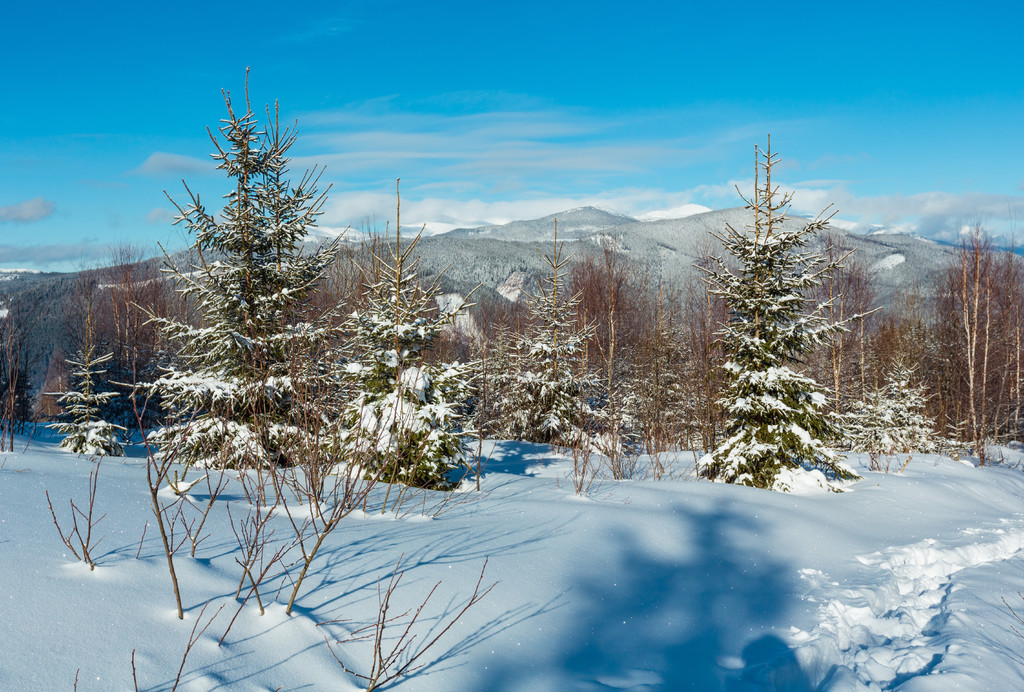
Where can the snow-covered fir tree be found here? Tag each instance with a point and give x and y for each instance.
(84, 430)
(406, 415)
(542, 397)
(891, 420)
(247, 369)
(777, 420)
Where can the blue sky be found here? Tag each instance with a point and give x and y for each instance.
(905, 114)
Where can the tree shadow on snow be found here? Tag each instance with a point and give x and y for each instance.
(657, 622)
(352, 571)
(517, 458)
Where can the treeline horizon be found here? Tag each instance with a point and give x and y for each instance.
(654, 349)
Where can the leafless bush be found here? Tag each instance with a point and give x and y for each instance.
(322, 508)
(192, 639)
(1015, 614)
(882, 461)
(74, 535)
(254, 533)
(584, 470)
(158, 468)
(194, 526)
(401, 655)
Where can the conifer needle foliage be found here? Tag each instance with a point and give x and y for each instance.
(84, 430)
(406, 413)
(891, 419)
(777, 417)
(244, 370)
(542, 396)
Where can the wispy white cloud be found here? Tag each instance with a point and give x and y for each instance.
(474, 159)
(24, 212)
(159, 216)
(161, 164)
(366, 210)
(937, 215)
(934, 214)
(330, 27)
(48, 257)
(545, 148)
(477, 158)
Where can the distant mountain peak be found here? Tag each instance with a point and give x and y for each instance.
(572, 223)
(679, 212)
(593, 208)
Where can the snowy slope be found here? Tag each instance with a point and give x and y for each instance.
(668, 248)
(895, 584)
(572, 223)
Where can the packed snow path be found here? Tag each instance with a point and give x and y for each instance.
(901, 627)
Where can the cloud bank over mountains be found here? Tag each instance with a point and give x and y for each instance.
(489, 168)
(470, 160)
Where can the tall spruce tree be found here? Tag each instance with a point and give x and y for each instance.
(406, 413)
(236, 399)
(777, 417)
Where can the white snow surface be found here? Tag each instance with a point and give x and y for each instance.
(888, 262)
(679, 212)
(514, 286)
(8, 274)
(642, 585)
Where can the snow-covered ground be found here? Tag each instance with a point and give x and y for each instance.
(895, 584)
(888, 262)
(8, 274)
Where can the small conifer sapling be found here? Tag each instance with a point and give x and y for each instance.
(85, 432)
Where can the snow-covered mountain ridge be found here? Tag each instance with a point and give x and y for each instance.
(572, 223)
(667, 248)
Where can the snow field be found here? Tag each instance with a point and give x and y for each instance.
(895, 627)
(642, 586)
(888, 262)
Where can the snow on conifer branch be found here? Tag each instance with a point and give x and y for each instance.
(778, 422)
(541, 398)
(406, 412)
(232, 398)
(84, 429)
(891, 419)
